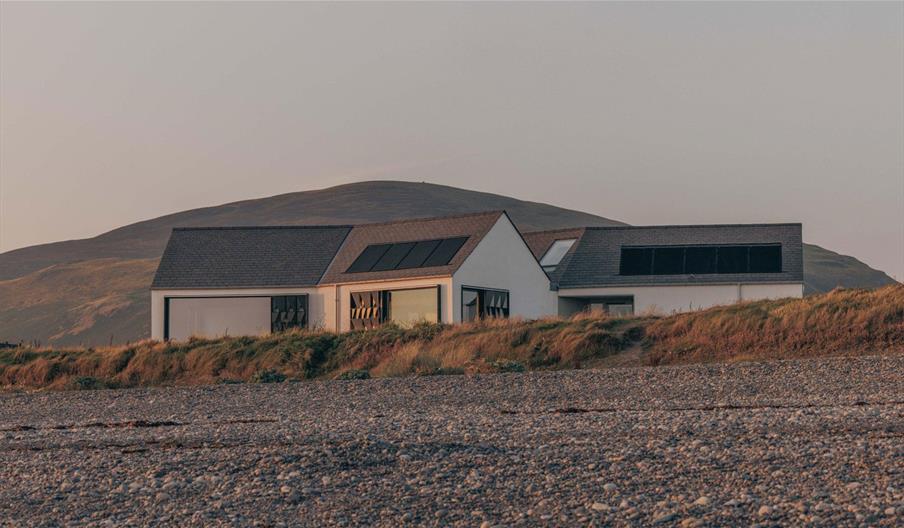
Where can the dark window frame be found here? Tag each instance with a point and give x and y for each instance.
(481, 302)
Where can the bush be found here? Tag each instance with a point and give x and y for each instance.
(267, 376)
(507, 365)
(88, 383)
(354, 374)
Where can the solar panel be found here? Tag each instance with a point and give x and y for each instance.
(668, 261)
(732, 259)
(368, 258)
(636, 261)
(416, 257)
(765, 259)
(407, 255)
(444, 252)
(391, 259)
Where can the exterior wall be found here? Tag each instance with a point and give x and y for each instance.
(345, 291)
(319, 299)
(503, 261)
(683, 298)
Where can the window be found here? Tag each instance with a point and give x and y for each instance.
(668, 261)
(404, 307)
(408, 307)
(636, 261)
(701, 260)
(556, 253)
(288, 311)
(477, 303)
(765, 259)
(407, 255)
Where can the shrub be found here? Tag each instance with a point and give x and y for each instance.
(88, 383)
(507, 365)
(354, 374)
(267, 376)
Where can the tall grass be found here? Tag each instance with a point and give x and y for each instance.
(840, 322)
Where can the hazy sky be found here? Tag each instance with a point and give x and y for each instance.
(646, 113)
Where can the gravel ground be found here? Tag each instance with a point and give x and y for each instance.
(817, 442)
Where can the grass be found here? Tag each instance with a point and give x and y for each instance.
(839, 322)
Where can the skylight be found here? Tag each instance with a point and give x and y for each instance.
(556, 252)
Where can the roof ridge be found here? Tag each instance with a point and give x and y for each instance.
(670, 226)
(558, 230)
(237, 228)
(432, 218)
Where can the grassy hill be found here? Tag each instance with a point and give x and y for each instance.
(85, 291)
(842, 322)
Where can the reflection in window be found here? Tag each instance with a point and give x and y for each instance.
(477, 303)
(556, 253)
(407, 307)
(288, 311)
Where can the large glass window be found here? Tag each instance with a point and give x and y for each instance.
(404, 307)
(701, 260)
(288, 311)
(408, 307)
(477, 303)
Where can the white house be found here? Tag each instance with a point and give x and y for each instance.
(255, 280)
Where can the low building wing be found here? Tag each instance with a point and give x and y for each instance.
(705, 254)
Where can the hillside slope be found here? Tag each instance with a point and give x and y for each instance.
(38, 301)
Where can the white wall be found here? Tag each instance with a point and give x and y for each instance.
(503, 261)
(345, 291)
(683, 298)
(321, 303)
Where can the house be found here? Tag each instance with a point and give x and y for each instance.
(666, 269)
(255, 280)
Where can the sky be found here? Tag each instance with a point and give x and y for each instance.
(649, 113)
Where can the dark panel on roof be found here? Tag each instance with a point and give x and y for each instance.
(393, 257)
(422, 259)
(418, 254)
(368, 258)
(247, 257)
(596, 258)
(443, 254)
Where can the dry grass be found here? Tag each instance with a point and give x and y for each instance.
(840, 322)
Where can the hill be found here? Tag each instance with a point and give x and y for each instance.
(842, 322)
(62, 293)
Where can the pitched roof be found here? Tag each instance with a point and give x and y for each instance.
(539, 243)
(242, 257)
(594, 260)
(474, 226)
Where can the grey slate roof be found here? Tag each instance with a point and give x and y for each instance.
(243, 257)
(594, 260)
(474, 226)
